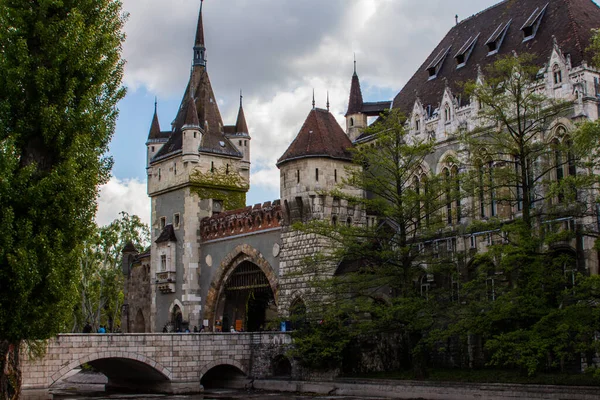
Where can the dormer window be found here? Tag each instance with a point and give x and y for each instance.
(465, 52)
(532, 24)
(495, 41)
(434, 67)
(557, 74)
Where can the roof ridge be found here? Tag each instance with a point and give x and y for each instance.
(480, 12)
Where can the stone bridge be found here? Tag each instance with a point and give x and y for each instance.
(162, 363)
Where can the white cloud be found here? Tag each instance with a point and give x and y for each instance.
(278, 51)
(122, 195)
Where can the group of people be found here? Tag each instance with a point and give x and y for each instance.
(88, 328)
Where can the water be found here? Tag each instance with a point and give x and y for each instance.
(215, 394)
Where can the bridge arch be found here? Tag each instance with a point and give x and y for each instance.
(152, 370)
(239, 255)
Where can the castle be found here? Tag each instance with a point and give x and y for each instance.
(215, 263)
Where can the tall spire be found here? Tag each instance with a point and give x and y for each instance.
(355, 103)
(199, 48)
(240, 124)
(155, 126)
(313, 102)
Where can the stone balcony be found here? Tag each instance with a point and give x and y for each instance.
(165, 281)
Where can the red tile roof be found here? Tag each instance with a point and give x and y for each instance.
(320, 136)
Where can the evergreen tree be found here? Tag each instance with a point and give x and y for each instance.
(381, 283)
(60, 81)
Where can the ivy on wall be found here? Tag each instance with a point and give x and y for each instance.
(220, 184)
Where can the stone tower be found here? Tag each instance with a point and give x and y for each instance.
(315, 162)
(356, 120)
(196, 169)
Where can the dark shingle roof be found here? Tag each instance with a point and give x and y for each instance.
(355, 102)
(320, 136)
(209, 117)
(569, 21)
(154, 127)
(240, 125)
(373, 109)
(191, 115)
(167, 235)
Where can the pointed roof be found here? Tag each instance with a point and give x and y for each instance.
(199, 42)
(355, 102)
(569, 21)
(191, 115)
(320, 136)
(155, 126)
(129, 248)
(240, 124)
(167, 235)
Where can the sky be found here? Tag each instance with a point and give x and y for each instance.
(276, 52)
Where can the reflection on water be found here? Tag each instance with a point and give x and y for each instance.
(216, 394)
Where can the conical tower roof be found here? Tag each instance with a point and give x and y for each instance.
(355, 103)
(191, 115)
(240, 124)
(320, 136)
(155, 126)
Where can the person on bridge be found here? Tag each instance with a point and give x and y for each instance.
(101, 329)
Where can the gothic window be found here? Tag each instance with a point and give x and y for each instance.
(335, 175)
(557, 74)
(163, 262)
(298, 176)
(417, 123)
(163, 223)
(176, 221)
(447, 114)
(317, 174)
(351, 121)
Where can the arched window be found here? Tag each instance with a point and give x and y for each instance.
(447, 113)
(556, 74)
(351, 121)
(417, 123)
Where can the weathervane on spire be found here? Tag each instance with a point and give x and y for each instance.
(313, 102)
(241, 97)
(328, 100)
(354, 63)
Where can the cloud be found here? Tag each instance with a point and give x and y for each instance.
(122, 195)
(279, 51)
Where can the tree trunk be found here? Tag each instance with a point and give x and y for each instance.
(10, 370)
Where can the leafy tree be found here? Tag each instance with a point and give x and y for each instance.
(374, 289)
(526, 168)
(60, 81)
(101, 279)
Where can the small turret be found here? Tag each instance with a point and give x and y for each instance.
(356, 120)
(242, 130)
(156, 139)
(192, 136)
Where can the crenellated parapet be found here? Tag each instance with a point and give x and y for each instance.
(255, 218)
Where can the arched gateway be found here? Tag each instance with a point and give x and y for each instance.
(243, 293)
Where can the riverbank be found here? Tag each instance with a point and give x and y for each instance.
(431, 390)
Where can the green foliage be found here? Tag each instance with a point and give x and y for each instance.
(60, 81)
(100, 280)
(221, 184)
